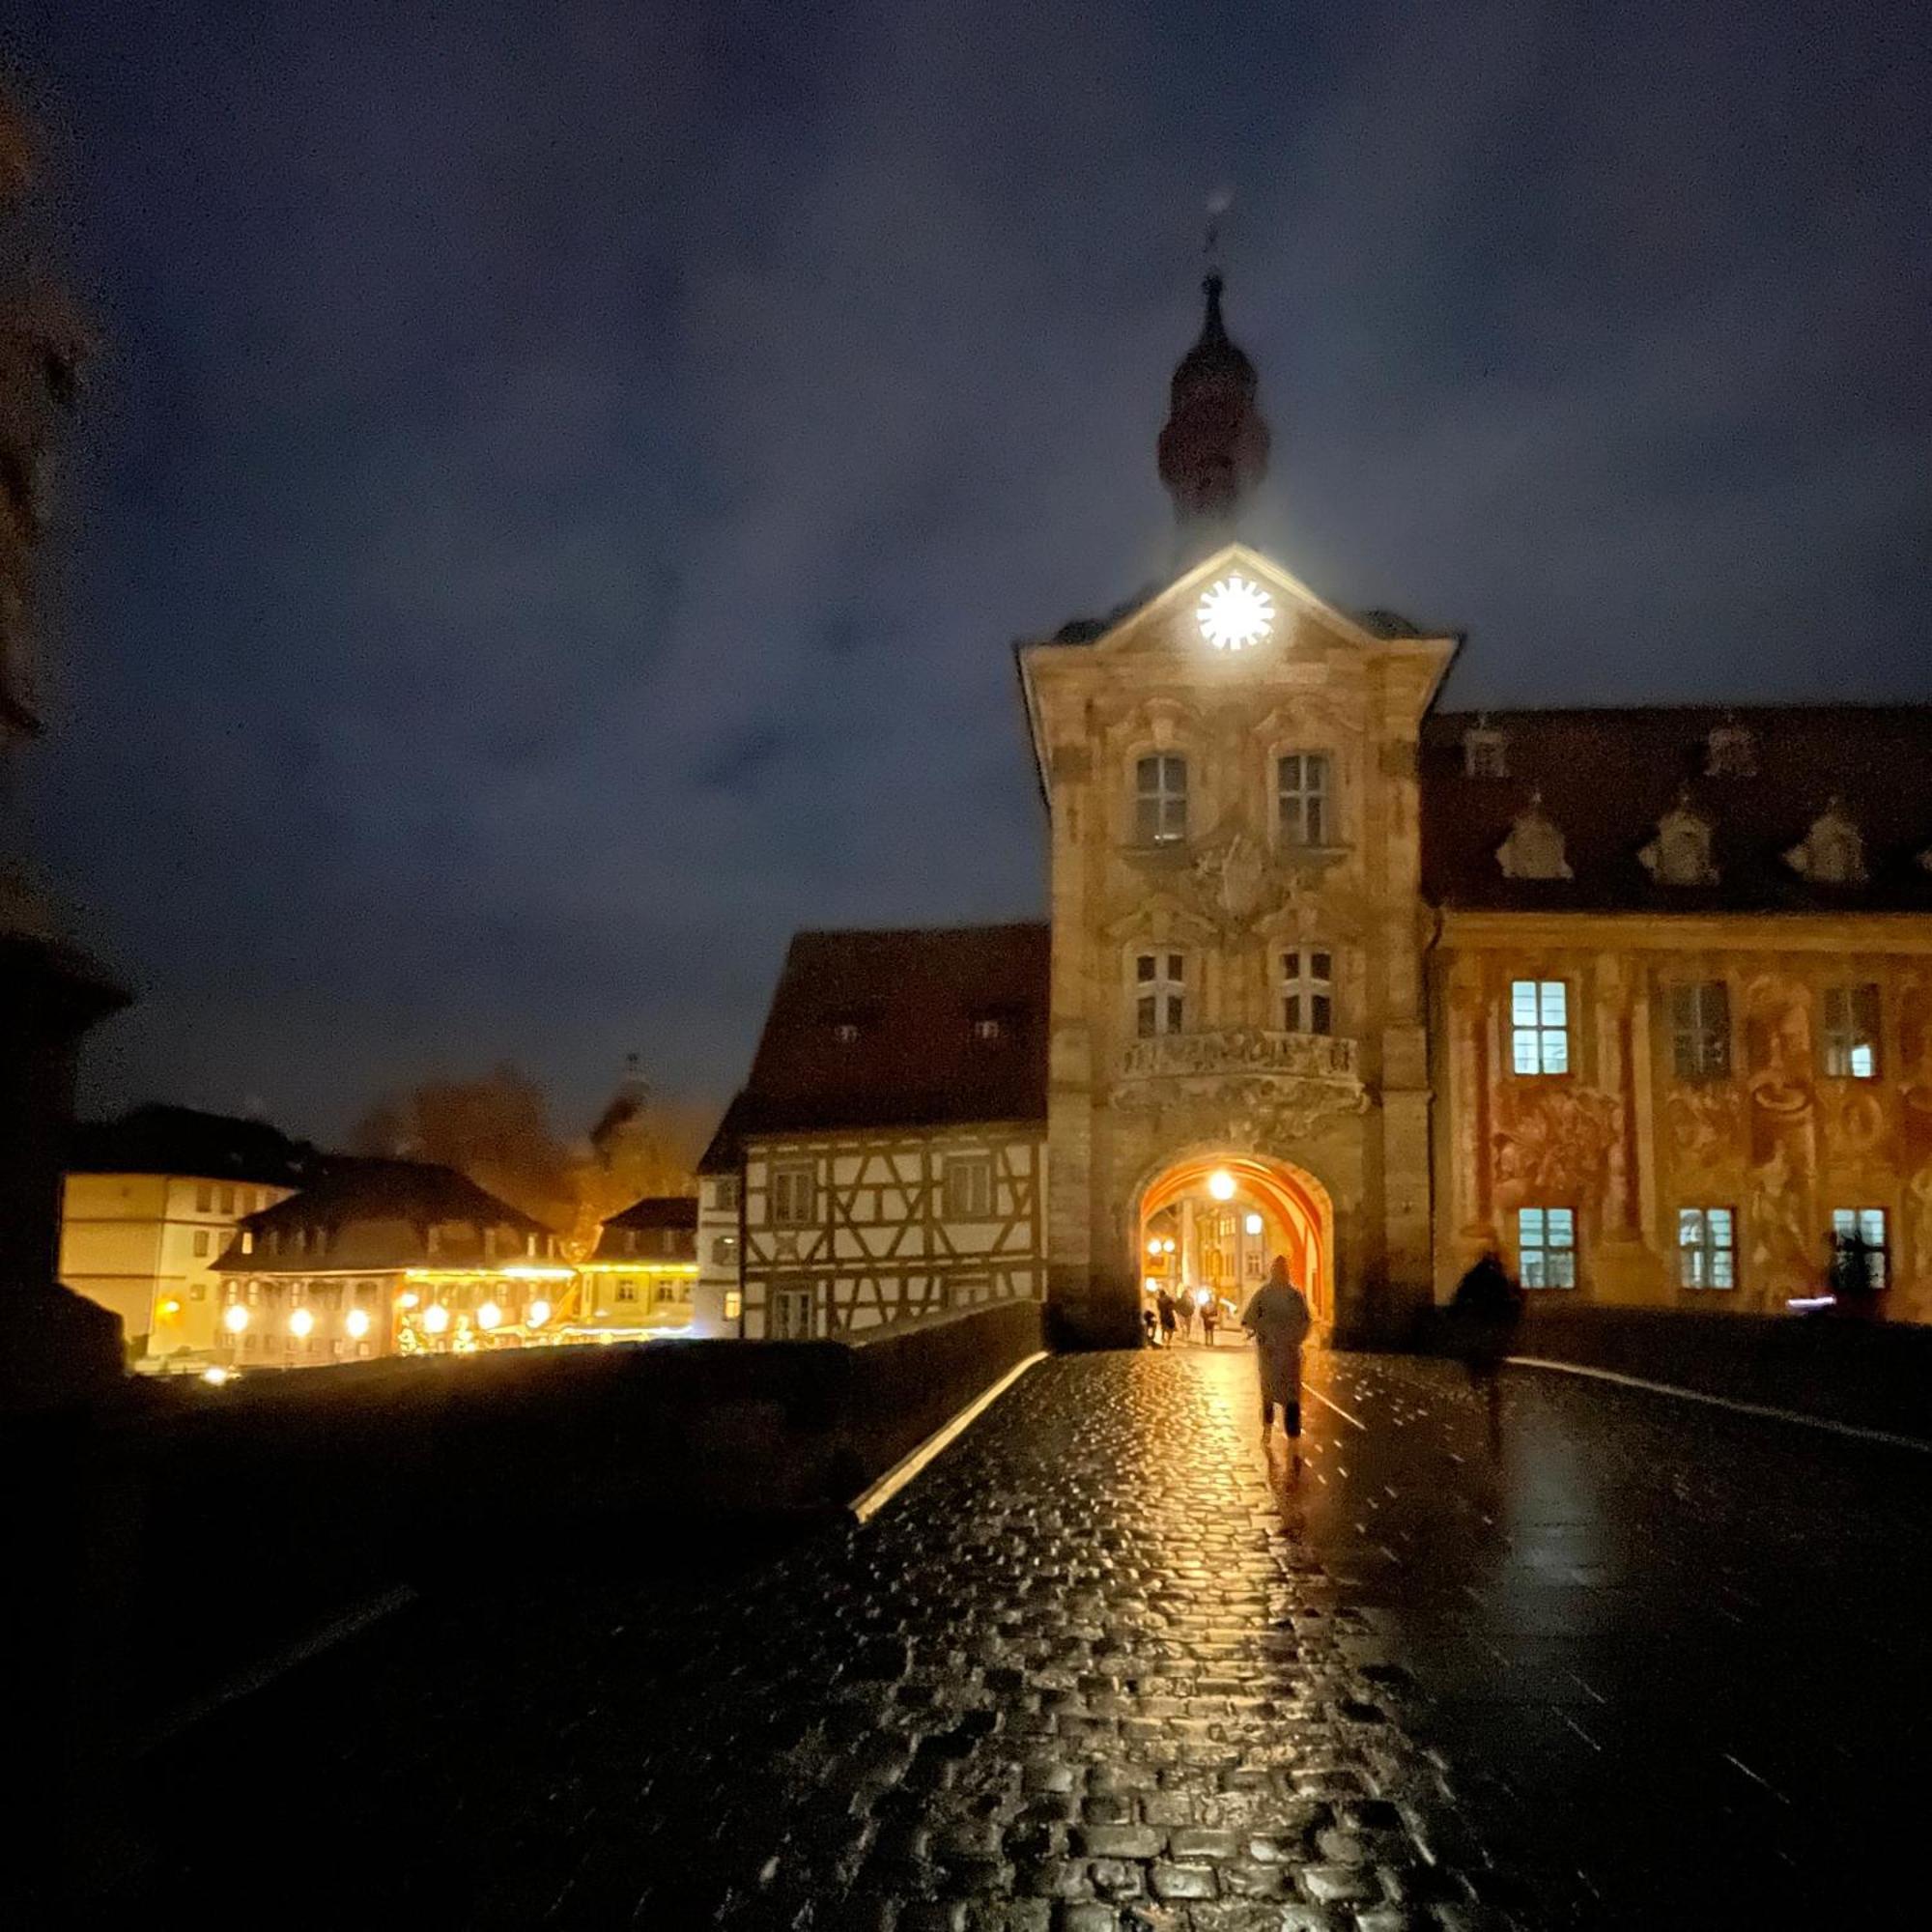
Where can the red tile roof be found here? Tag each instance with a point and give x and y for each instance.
(889, 1030)
(1606, 777)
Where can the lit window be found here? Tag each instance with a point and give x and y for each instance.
(1866, 1226)
(725, 1193)
(1851, 1033)
(1159, 993)
(1308, 992)
(794, 1193)
(969, 1187)
(1706, 1248)
(626, 1291)
(1547, 1246)
(1302, 798)
(1539, 1026)
(734, 1305)
(201, 1240)
(1701, 1030)
(724, 1251)
(1160, 799)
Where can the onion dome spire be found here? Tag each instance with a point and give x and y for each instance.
(1214, 446)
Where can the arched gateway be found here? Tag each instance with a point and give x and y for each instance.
(1214, 1219)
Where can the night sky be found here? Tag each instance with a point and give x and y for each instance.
(564, 479)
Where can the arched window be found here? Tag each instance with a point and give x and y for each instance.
(1308, 991)
(1160, 993)
(1160, 799)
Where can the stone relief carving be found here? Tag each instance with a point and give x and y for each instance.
(1680, 855)
(1534, 847)
(1833, 852)
(1783, 1132)
(1270, 1115)
(1781, 1252)
(1232, 877)
(1551, 1145)
(1241, 1050)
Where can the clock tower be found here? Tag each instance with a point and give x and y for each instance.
(1238, 1064)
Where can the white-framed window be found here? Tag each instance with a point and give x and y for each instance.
(724, 1251)
(1160, 993)
(794, 1194)
(969, 1186)
(1546, 1242)
(725, 1193)
(1539, 1026)
(792, 1312)
(1707, 1255)
(626, 1291)
(1866, 1225)
(1160, 799)
(1701, 1030)
(1308, 990)
(1304, 797)
(1851, 1032)
(201, 1240)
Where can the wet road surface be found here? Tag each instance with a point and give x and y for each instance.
(1638, 1662)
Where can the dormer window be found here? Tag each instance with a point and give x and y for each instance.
(1730, 751)
(1680, 855)
(1833, 853)
(1160, 799)
(988, 1029)
(845, 1032)
(1484, 751)
(1534, 847)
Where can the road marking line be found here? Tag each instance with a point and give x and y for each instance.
(872, 1500)
(1853, 1429)
(1309, 1388)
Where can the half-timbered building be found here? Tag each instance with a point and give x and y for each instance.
(886, 1157)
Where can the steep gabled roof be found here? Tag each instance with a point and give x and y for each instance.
(673, 1218)
(1606, 777)
(884, 1029)
(156, 1139)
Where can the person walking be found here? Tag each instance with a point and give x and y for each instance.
(1277, 1317)
(1210, 1316)
(1164, 1307)
(1483, 1319)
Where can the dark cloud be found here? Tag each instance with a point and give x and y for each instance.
(567, 479)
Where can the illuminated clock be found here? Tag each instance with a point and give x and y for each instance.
(1233, 613)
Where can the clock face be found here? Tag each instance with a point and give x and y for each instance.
(1233, 613)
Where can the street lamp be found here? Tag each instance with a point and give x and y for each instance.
(1221, 1185)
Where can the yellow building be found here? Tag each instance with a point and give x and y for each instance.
(636, 1285)
(150, 1202)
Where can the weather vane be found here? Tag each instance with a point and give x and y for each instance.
(1218, 204)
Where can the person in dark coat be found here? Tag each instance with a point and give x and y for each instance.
(1164, 1306)
(1210, 1318)
(1483, 1318)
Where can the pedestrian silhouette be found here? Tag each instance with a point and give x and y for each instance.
(1278, 1319)
(1483, 1322)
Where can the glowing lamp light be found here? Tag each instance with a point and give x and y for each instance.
(1233, 613)
(1221, 1185)
(169, 1309)
(408, 1298)
(235, 1318)
(1166, 1246)
(214, 1376)
(1153, 1246)
(1253, 1224)
(436, 1318)
(356, 1322)
(539, 1313)
(488, 1315)
(300, 1322)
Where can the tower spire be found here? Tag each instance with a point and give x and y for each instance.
(1213, 448)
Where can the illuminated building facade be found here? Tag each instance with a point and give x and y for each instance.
(150, 1203)
(638, 1282)
(1643, 998)
(387, 1258)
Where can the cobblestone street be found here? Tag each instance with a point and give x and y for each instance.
(1100, 1667)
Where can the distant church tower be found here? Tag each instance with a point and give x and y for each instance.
(1237, 1062)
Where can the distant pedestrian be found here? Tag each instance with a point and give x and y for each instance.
(1210, 1316)
(1184, 1308)
(1169, 1315)
(1483, 1322)
(1278, 1319)
(1150, 1322)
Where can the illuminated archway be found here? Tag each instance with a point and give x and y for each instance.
(1297, 1219)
